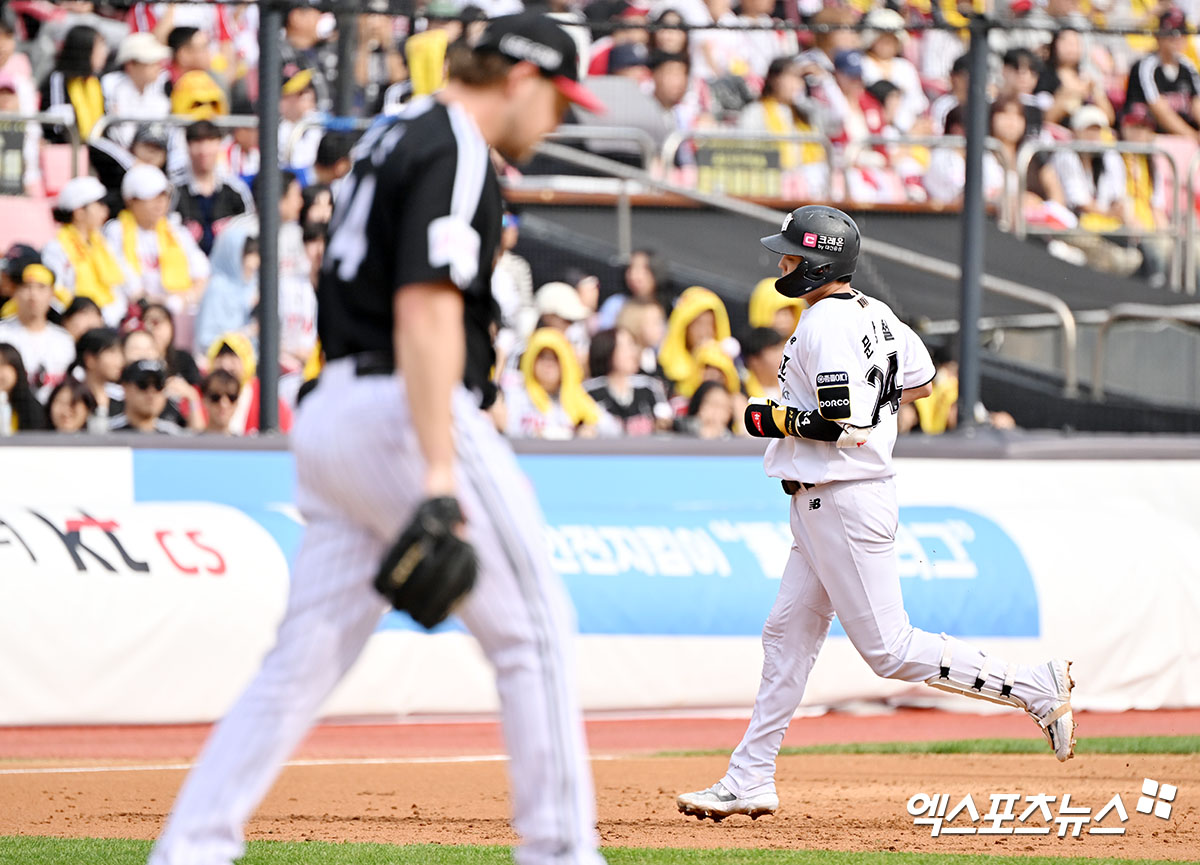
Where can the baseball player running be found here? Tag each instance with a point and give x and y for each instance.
(391, 443)
(846, 369)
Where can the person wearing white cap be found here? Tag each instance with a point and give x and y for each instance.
(137, 89)
(79, 254)
(883, 42)
(166, 263)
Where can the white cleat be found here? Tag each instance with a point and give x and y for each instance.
(718, 803)
(1058, 724)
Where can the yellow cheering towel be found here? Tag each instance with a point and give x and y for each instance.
(425, 54)
(97, 272)
(172, 260)
(675, 356)
(765, 302)
(576, 402)
(88, 101)
(240, 344)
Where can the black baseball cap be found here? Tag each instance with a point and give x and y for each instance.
(140, 371)
(19, 257)
(151, 133)
(539, 40)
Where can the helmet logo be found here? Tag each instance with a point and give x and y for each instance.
(810, 239)
(787, 220)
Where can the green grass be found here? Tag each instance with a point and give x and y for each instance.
(1097, 745)
(93, 851)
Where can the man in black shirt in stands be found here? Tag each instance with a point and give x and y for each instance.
(393, 437)
(205, 196)
(1166, 81)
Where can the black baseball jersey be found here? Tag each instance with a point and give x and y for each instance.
(422, 204)
(1149, 81)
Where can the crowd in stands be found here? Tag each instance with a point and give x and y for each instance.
(138, 309)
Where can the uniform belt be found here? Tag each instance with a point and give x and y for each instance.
(374, 363)
(793, 487)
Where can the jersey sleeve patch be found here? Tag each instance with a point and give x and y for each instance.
(453, 242)
(834, 402)
(827, 378)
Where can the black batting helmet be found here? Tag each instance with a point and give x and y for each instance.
(825, 238)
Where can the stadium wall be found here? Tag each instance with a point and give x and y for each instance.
(143, 586)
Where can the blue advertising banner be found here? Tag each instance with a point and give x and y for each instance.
(666, 545)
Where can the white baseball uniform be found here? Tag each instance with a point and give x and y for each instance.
(422, 206)
(850, 357)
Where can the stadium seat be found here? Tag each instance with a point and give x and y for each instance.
(26, 220)
(56, 166)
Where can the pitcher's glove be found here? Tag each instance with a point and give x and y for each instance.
(430, 568)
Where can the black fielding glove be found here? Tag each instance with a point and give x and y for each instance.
(430, 568)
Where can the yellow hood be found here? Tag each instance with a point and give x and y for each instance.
(580, 407)
(765, 301)
(677, 362)
(193, 90)
(242, 347)
(710, 354)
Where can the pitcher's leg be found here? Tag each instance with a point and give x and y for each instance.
(792, 638)
(852, 536)
(523, 619)
(331, 611)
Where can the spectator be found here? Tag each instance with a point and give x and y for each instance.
(233, 353)
(779, 111)
(718, 51)
(139, 344)
(1167, 81)
(46, 349)
(769, 308)
(206, 197)
(512, 283)
(762, 354)
(671, 39)
(698, 318)
(817, 66)
(645, 279)
(241, 155)
(884, 43)
(160, 323)
(18, 257)
(627, 17)
(182, 407)
(630, 60)
(712, 364)
(1147, 197)
(27, 413)
(297, 297)
(332, 161)
(163, 258)
(221, 391)
(99, 361)
(710, 412)
(1092, 186)
(645, 320)
(84, 262)
(15, 64)
(1063, 88)
(145, 400)
(761, 47)
(304, 47)
(938, 412)
(960, 80)
(377, 62)
(1021, 70)
(70, 405)
(299, 130)
(317, 208)
(314, 250)
(137, 88)
(670, 76)
(80, 316)
(198, 95)
(552, 404)
(191, 51)
(635, 402)
(20, 171)
(72, 90)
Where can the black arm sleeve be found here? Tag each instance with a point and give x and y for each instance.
(810, 425)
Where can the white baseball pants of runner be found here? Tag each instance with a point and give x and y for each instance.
(843, 561)
(360, 477)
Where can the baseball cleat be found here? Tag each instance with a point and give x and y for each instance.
(1058, 724)
(718, 803)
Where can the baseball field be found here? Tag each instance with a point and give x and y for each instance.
(435, 792)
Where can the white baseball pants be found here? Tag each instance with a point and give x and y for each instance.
(843, 561)
(359, 479)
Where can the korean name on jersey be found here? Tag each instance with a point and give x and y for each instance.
(850, 358)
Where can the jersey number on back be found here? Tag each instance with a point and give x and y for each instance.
(885, 383)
